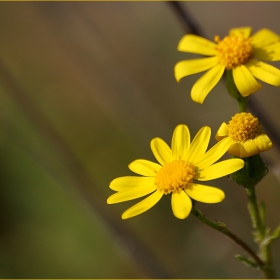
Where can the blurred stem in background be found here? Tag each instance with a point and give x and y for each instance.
(75, 173)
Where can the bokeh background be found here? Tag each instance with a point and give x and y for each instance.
(84, 87)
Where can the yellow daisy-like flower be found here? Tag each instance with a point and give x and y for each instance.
(237, 52)
(246, 135)
(178, 168)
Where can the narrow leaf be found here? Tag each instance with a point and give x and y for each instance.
(247, 262)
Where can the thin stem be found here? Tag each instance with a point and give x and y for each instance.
(221, 227)
(243, 104)
(254, 211)
(260, 233)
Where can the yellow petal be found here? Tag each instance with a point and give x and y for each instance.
(130, 194)
(220, 169)
(264, 72)
(222, 132)
(244, 80)
(180, 142)
(144, 167)
(199, 145)
(250, 149)
(215, 153)
(181, 205)
(264, 37)
(206, 83)
(268, 53)
(127, 182)
(205, 194)
(188, 67)
(237, 149)
(196, 44)
(263, 143)
(161, 151)
(143, 205)
(241, 31)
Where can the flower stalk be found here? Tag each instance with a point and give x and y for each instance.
(221, 227)
(260, 232)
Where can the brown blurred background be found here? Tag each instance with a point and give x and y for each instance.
(84, 87)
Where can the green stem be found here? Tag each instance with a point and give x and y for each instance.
(233, 91)
(254, 211)
(242, 102)
(260, 232)
(221, 227)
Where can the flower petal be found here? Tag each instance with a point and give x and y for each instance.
(144, 167)
(196, 44)
(222, 132)
(237, 150)
(215, 153)
(128, 182)
(263, 143)
(180, 142)
(241, 31)
(264, 37)
(251, 147)
(244, 80)
(199, 145)
(264, 72)
(269, 53)
(205, 194)
(181, 205)
(206, 83)
(161, 151)
(220, 169)
(130, 194)
(143, 205)
(192, 66)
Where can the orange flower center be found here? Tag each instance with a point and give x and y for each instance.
(243, 127)
(174, 176)
(233, 50)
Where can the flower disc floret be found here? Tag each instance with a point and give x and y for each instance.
(243, 127)
(174, 176)
(234, 51)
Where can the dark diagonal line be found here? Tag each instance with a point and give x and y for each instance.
(80, 179)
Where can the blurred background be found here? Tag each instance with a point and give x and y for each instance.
(84, 87)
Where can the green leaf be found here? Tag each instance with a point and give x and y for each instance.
(276, 233)
(271, 237)
(247, 262)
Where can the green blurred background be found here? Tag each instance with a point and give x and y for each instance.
(84, 87)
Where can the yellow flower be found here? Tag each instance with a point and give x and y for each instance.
(237, 52)
(178, 168)
(246, 135)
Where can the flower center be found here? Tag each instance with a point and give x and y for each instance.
(243, 127)
(174, 176)
(234, 51)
